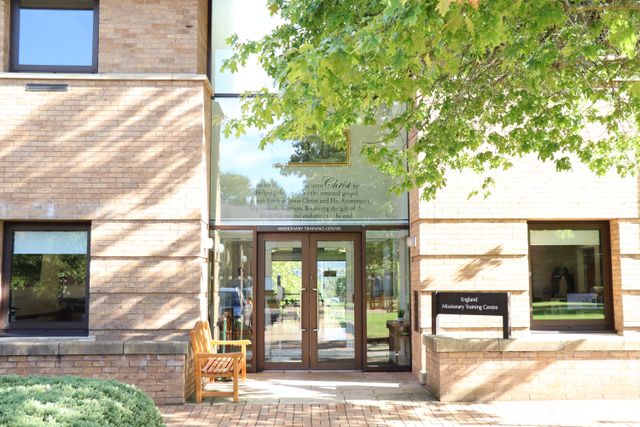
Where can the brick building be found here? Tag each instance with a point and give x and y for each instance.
(127, 215)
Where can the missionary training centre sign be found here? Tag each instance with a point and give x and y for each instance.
(471, 303)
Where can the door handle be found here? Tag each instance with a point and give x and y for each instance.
(303, 289)
(315, 289)
(315, 330)
(303, 330)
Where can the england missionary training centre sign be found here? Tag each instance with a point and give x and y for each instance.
(471, 303)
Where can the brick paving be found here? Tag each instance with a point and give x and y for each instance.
(382, 399)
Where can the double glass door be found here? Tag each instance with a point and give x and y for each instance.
(310, 310)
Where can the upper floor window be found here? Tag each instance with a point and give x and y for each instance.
(55, 35)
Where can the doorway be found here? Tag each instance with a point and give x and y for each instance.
(309, 311)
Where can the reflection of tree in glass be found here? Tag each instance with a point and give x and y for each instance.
(235, 189)
(314, 150)
(27, 272)
(289, 272)
(270, 193)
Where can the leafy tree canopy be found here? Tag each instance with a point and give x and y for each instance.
(482, 82)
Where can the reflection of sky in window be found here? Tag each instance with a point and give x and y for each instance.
(50, 242)
(56, 37)
(250, 20)
(242, 156)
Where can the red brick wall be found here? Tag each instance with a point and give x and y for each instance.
(160, 376)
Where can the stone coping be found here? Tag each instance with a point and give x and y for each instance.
(533, 343)
(109, 76)
(45, 347)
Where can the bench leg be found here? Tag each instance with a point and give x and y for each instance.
(235, 380)
(198, 385)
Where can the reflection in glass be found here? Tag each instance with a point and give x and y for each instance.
(387, 305)
(282, 301)
(48, 276)
(313, 150)
(335, 293)
(249, 20)
(231, 299)
(287, 181)
(567, 275)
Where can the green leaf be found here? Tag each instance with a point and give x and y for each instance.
(469, 23)
(443, 6)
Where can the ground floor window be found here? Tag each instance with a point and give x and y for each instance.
(387, 299)
(570, 275)
(45, 277)
(231, 296)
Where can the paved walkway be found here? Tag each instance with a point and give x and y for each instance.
(381, 399)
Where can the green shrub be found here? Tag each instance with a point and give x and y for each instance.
(73, 401)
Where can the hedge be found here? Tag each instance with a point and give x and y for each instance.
(73, 401)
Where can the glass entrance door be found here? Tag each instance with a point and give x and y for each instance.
(310, 294)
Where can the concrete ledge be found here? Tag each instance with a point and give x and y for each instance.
(75, 348)
(29, 349)
(533, 343)
(98, 347)
(156, 347)
(109, 76)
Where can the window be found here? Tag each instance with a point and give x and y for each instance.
(53, 35)
(570, 276)
(45, 278)
(231, 292)
(388, 303)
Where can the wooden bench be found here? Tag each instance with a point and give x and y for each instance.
(210, 365)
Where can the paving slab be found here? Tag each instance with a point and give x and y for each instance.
(365, 399)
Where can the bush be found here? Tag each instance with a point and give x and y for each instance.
(73, 401)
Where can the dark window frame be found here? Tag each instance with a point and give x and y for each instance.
(40, 328)
(585, 325)
(15, 44)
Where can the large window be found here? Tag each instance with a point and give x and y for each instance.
(45, 277)
(231, 293)
(53, 35)
(570, 276)
(388, 305)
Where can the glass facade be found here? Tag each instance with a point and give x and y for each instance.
(315, 319)
(276, 185)
(388, 303)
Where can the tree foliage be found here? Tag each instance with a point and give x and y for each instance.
(482, 82)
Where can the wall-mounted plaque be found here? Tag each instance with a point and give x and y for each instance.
(471, 303)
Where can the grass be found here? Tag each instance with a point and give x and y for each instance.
(377, 323)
